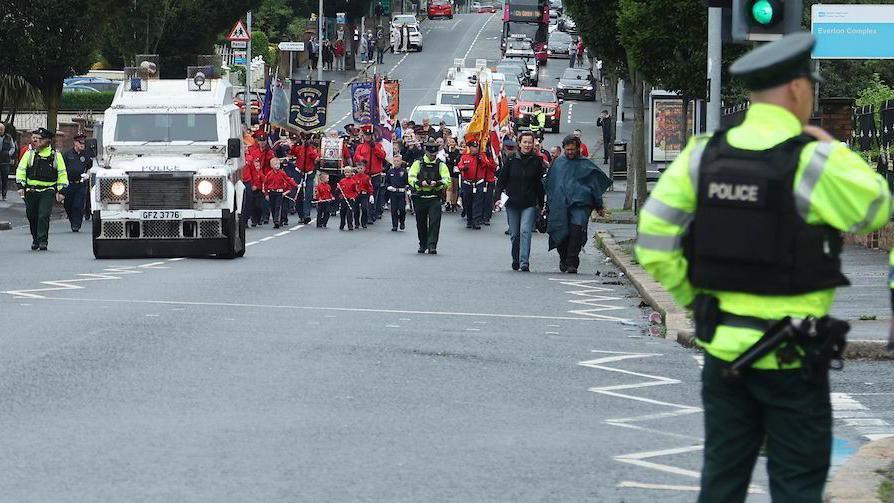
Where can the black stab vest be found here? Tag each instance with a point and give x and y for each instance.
(747, 234)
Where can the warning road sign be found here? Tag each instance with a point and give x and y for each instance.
(239, 33)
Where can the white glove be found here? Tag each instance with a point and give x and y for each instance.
(390, 188)
(372, 200)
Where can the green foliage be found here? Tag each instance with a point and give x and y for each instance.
(96, 102)
(272, 18)
(260, 46)
(875, 93)
(665, 40)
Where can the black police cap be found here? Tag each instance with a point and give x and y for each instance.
(44, 133)
(776, 63)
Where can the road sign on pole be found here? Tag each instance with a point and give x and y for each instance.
(239, 33)
(853, 31)
(238, 44)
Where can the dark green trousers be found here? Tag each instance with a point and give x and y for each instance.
(38, 208)
(793, 415)
(428, 220)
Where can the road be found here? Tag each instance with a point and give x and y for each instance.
(336, 366)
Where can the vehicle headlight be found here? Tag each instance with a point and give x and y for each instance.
(588, 88)
(560, 85)
(112, 190)
(118, 188)
(209, 188)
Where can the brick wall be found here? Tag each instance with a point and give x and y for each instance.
(837, 117)
(881, 239)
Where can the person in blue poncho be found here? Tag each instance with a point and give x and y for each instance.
(574, 187)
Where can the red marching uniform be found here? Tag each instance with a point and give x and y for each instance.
(305, 157)
(364, 183)
(373, 155)
(475, 168)
(348, 187)
(584, 151)
(323, 193)
(278, 181)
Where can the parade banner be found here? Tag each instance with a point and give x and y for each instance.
(279, 105)
(308, 104)
(363, 102)
(392, 87)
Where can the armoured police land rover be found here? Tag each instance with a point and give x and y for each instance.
(168, 182)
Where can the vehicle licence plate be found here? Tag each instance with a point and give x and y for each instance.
(573, 91)
(160, 215)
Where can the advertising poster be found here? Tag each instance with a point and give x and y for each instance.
(667, 127)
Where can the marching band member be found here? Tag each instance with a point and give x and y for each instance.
(396, 182)
(347, 189)
(366, 190)
(276, 183)
(324, 198)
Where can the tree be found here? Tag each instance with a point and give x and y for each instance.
(273, 18)
(51, 44)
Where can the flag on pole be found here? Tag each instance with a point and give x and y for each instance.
(478, 128)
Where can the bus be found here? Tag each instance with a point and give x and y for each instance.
(529, 18)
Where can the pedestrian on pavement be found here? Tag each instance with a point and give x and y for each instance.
(371, 45)
(397, 182)
(473, 165)
(584, 151)
(521, 179)
(7, 157)
(339, 53)
(428, 177)
(323, 198)
(77, 166)
(580, 52)
(40, 176)
(313, 48)
(605, 122)
(572, 53)
(796, 189)
(574, 187)
(381, 45)
(365, 57)
(327, 55)
(404, 38)
(348, 192)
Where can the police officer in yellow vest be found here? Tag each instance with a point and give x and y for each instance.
(538, 121)
(40, 176)
(744, 227)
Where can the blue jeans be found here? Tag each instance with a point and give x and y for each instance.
(521, 227)
(308, 193)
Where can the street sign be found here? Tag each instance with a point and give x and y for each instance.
(239, 57)
(239, 33)
(236, 44)
(853, 31)
(291, 46)
(340, 17)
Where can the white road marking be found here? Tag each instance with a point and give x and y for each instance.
(570, 111)
(699, 360)
(283, 233)
(405, 319)
(551, 333)
(854, 414)
(392, 326)
(322, 308)
(152, 265)
(473, 330)
(401, 60)
(109, 273)
(152, 316)
(251, 243)
(475, 40)
(480, 322)
(670, 487)
(268, 238)
(178, 259)
(296, 227)
(554, 326)
(595, 302)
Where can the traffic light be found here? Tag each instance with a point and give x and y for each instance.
(766, 20)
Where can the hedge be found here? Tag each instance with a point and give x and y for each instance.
(96, 102)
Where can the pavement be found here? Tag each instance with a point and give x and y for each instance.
(343, 366)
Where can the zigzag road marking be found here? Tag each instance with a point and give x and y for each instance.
(590, 292)
(641, 459)
(108, 274)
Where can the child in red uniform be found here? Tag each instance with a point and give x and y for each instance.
(323, 197)
(347, 188)
(365, 187)
(277, 182)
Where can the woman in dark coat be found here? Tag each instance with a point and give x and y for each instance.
(327, 55)
(521, 178)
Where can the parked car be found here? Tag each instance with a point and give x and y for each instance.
(404, 19)
(556, 6)
(485, 7)
(440, 8)
(548, 101)
(557, 46)
(89, 85)
(257, 101)
(577, 83)
(415, 37)
(437, 113)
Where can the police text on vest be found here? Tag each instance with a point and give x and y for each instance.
(733, 192)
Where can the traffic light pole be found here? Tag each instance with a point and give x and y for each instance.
(715, 62)
(247, 100)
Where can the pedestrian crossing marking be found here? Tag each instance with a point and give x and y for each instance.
(589, 290)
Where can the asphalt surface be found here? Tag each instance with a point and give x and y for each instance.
(342, 366)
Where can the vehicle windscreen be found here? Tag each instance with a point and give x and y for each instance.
(457, 99)
(511, 89)
(399, 20)
(572, 74)
(166, 127)
(435, 116)
(537, 96)
(512, 68)
(519, 45)
(533, 31)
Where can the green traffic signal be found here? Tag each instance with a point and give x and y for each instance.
(762, 12)
(765, 13)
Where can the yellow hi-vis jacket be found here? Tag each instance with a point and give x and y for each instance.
(833, 186)
(37, 185)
